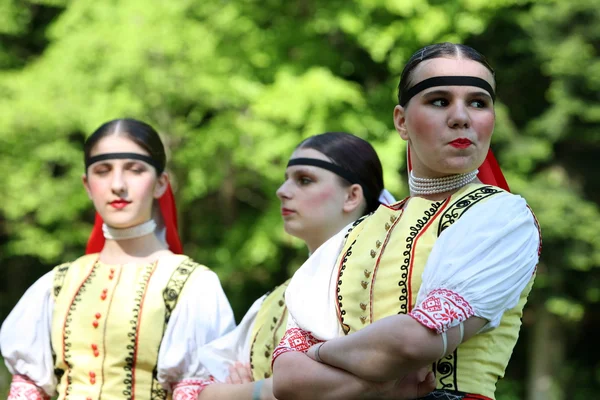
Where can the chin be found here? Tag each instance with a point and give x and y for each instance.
(121, 223)
(461, 166)
(294, 231)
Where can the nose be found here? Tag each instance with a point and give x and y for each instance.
(118, 185)
(284, 191)
(459, 116)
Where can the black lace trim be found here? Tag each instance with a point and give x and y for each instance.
(460, 206)
(170, 296)
(414, 231)
(67, 331)
(446, 368)
(59, 277)
(132, 335)
(345, 327)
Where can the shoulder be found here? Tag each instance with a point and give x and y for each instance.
(502, 217)
(278, 289)
(185, 272)
(187, 263)
(485, 201)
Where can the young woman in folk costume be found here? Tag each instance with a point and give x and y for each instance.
(331, 180)
(122, 321)
(438, 279)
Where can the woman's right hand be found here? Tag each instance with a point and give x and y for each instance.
(239, 373)
(412, 386)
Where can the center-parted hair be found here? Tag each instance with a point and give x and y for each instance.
(439, 50)
(355, 155)
(138, 132)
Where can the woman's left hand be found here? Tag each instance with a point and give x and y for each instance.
(239, 373)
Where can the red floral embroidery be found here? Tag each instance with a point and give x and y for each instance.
(190, 389)
(295, 339)
(441, 310)
(22, 388)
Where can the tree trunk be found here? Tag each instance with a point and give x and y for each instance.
(546, 356)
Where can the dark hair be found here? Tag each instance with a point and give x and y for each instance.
(355, 155)
(438, 50)
(138, 132)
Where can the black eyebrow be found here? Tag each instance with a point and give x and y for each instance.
(127, 163)
(302, 171)
(446, 92)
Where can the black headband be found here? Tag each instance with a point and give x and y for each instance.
(447, 81)
(124, 156)
(336, 169)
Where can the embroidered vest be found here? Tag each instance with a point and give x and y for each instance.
(108, 323)
(379, 274)
(269, 327)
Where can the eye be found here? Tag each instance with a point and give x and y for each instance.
(440, 102)
(136, 168)
(101, 170)
(303, 180)
(479, 103)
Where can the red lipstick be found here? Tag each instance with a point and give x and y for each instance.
(119, 204)
(286, 211)
(461, 143)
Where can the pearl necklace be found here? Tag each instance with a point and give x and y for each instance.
(439, 185)
(129, 233)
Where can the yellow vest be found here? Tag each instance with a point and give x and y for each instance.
(380, 272)
(108, 324)
(269, 327)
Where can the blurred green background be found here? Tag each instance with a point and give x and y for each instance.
(234, 85)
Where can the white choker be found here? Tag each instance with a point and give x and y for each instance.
(129, 233)
(439, 185)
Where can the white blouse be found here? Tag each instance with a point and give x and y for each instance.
(201, 315)
(220, 354)
(488, 257)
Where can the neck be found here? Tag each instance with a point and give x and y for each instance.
(439, 186)
(136, 250)
(316, 240)
(313, 244)
(441, 195)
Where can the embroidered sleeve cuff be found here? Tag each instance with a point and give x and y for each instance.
(441, 310)
(190, 389)
(22, 388)
(295, 339)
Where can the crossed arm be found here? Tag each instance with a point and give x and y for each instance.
(393, 347)
(335, 384)
(299, 377)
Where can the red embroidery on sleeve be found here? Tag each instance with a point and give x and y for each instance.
(190, 389)
(23, 388)
(295, 339)
(441, 309)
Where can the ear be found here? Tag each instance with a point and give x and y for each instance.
(354, 197)
(162, 182)
(400, 121)
(86, 185)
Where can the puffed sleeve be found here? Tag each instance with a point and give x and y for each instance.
(202, 315)
(480, 265)
(26, 344)
(220, 354)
